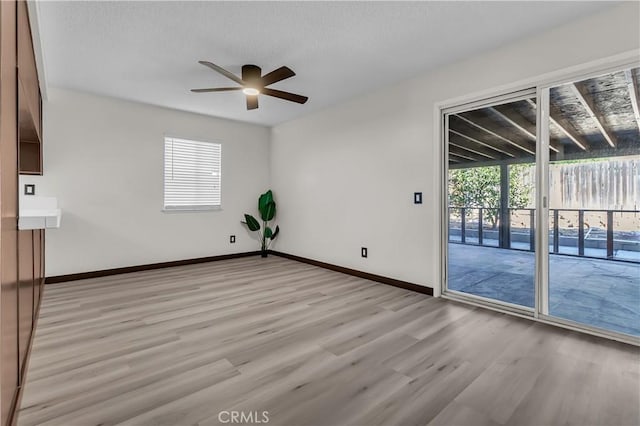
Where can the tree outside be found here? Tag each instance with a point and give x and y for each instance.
(480, 187)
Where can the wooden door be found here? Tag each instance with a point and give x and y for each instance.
(9, 210)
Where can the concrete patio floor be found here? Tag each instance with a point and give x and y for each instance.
(600, 293)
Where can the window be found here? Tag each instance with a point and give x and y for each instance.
(192, 172)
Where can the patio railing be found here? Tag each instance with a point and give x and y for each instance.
(610, 234)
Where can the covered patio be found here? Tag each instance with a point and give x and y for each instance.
(597, 292)
(593, 201)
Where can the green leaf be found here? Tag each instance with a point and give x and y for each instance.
(268, 233)
(275, 233)
(269, 211)
(264, 200)
(251, 222)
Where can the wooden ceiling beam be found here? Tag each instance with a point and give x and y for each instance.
(508, 153)
(561, 123)
(632, 84)
(520, 125)
(497, 136)
(463, 153)
(555, 118)
(458, 142)
(464, 157)
(589, 105)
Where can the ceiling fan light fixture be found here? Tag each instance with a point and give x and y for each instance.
(253, 83)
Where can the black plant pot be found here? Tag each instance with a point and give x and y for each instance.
(264, 253)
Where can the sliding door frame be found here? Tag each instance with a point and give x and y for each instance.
(542, 202)
(518, 95)
(541, 85)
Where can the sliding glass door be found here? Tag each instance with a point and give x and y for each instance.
(594, 202)
(543, 202)
(491, 149)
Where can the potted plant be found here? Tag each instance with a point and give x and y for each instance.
(267, 209)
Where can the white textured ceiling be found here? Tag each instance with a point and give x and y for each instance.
(148, 51)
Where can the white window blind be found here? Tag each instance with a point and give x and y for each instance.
(192, 174)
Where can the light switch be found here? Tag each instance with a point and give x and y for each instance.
(29, 189)
(417, 198)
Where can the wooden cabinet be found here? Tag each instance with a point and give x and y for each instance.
(25, 294)
(38, 269)
(29, 99)
(21, 268)
(30, 158)
(9, 208)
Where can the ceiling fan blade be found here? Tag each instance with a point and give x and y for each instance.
(216, 89)
(252, 102)
(284, 95)
(223, 72)
(280, 74)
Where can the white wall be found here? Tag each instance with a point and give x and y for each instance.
(103, 159)
(345, 177)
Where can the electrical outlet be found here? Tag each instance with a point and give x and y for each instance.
(417, 198)
(29, 189)
(232, 239)
(363, 252)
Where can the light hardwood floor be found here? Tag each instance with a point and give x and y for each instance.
(177, 346)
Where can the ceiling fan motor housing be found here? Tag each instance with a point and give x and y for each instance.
(252, 75)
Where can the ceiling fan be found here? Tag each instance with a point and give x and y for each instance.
(253, 83)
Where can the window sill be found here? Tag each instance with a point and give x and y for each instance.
(191, 209)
